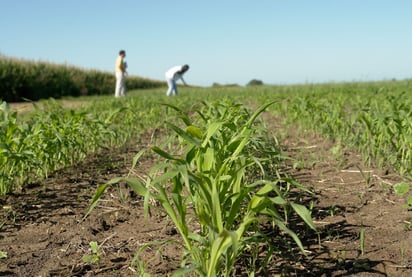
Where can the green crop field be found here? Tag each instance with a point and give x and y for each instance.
(371, 118)
(217, 167)
(23, 79)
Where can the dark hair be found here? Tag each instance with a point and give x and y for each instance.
(122, 52)
(185, 67)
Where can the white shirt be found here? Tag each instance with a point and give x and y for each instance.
(172, 73)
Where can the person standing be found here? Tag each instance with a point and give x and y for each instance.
(174, 74)
(121, 66)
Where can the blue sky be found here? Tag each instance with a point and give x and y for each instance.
(223, 41)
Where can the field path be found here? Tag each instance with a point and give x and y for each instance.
(28, 107)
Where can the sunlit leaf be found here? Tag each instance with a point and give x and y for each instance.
(401, 188)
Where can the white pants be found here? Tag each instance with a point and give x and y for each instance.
(172, 87)
(120, 84)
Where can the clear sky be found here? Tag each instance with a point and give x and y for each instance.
(223, 41)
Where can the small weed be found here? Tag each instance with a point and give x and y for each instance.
(366, 176)
(402, 253)
(94, 258)
(337, 151)
(310, 208)
(362, 240)
(298, 165)
(140, 265)
(339, 256)
(331, 235)
(361, 196)
(3, 255)
(333, 210)
(402, 189)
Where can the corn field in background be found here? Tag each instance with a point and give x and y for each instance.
(374, 119)
(22, 79)
(371, 118)
(53, 137)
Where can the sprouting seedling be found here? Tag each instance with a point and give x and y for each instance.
(366, 176)
(362, 240)
(94, 258)
(402, 189)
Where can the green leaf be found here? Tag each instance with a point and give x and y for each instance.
(136, 158)
(194, 131)
(245, 140)
(211, 130)
(208, 159)
(225, 178)
(100, 190)
(188, 138)
(401, 188)
(94, 247)
(137, 186)
(265, 189)
(256, 201)
(191, 154)
(304, 213)
(183, 271)
(292, 234)
(166, 176)
(182, 115)
(258, 112)
(165, 154)
(88, 259)
(235, 209)
(278, 200)
(220, 245)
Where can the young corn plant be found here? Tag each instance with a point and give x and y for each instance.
(16, 158)
(226, 179)
(53, 137)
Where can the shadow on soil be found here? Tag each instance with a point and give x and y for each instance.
(321, 259)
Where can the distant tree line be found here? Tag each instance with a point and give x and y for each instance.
(224, 85)
(255, 82)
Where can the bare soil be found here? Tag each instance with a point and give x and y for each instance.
(43, 233)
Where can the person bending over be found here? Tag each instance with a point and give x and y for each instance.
(173, 75)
